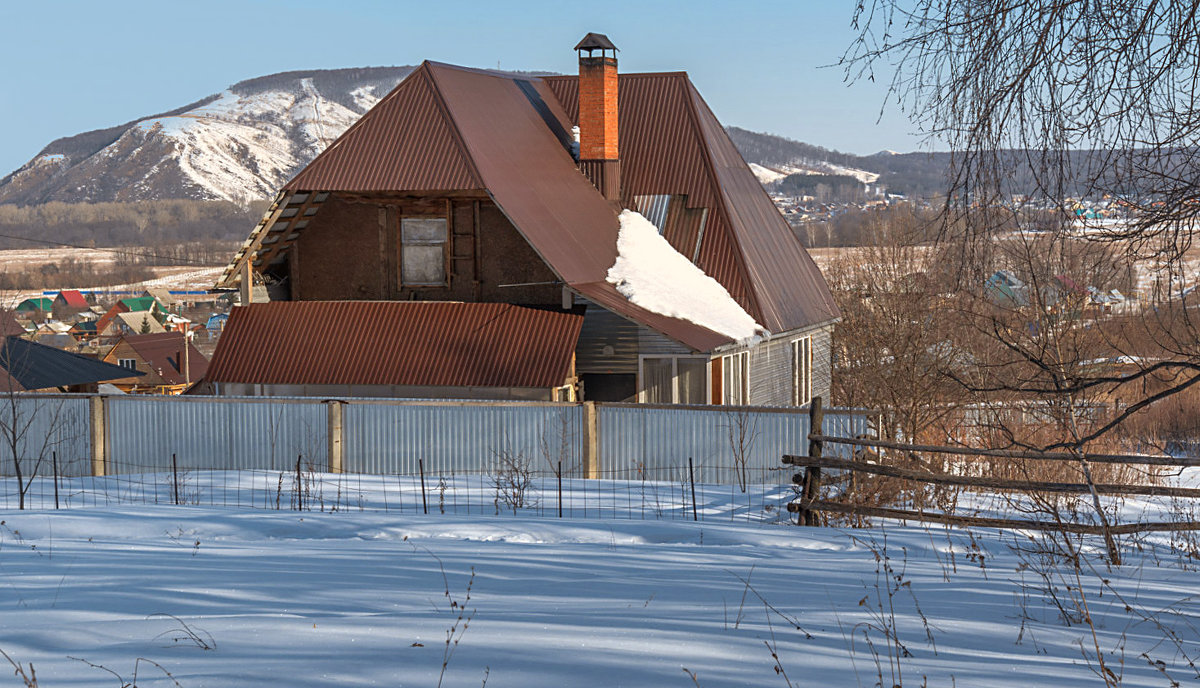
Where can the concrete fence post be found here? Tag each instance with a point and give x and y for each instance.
(336, 433)
(591, 441)
(98, 433)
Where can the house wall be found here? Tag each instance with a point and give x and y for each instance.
(351, 251)
(336, 257)
(124, 350)
(771, 367)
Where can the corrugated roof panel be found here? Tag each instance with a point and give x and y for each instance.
(663, 152)
(162, 351)
(396, 343)
(783, 279)
(514, 131)
(406, 143)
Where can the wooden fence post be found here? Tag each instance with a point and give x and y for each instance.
(591, 441)
(812, 474)
(335, 432)
(98, 426)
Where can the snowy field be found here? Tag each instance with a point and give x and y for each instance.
(222, 596)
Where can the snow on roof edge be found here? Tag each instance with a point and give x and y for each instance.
(653, 275)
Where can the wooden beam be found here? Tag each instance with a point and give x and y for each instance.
(1013, 454)
(992, 483)
(1015, 524)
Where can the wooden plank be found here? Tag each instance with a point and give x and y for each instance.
(1013, 454)
(1015, 524)
(994, 483)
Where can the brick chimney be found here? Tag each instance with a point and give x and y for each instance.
(598, 153)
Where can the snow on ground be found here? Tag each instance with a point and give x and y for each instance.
(358, 598)
(653, 275)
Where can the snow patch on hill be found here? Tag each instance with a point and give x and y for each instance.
(768, 175)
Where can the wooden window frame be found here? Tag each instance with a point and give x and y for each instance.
(122, 361)
(641, 393)
(400, 244)
(802, 370)
(740, 359)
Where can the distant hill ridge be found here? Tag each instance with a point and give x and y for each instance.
(242, 144)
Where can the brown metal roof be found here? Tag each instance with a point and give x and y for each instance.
(671, 143)
(517, 136)
(396, 343)
(163, 351)
(453, 128)
(9, 325)
(406, 143)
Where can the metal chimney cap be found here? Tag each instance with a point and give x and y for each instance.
(595, 41)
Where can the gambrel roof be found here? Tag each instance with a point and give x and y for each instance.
(447, 129)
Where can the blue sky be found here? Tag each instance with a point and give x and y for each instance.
(71, 66)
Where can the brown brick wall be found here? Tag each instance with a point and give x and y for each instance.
(598, 108)
(343, 256)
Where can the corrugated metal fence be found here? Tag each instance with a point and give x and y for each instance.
(145, 434)
(461, 437)
(728, 445)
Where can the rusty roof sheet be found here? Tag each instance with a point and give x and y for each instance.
(671, 143)
(396, 343)
(406, 143)
(163, 351)
(455, 128)
(517, 136)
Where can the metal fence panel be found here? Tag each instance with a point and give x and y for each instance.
(461, 437)
(47, 430)
(265, 434)
(727, 445)
(732, 445)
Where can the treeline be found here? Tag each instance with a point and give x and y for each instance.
(72, 273)
(823, 187)
(868, 227)
(123, 265)
(143, 224)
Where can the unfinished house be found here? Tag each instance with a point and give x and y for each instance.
(617, 198)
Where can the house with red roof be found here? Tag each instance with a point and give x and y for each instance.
(614, 199)
(69, 302)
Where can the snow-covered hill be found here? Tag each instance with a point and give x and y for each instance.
(242, 144)
(239, 145)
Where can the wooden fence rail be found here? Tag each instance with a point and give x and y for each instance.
(810, 504)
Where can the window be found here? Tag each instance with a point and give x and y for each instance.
(735, 378)
(802, 359)
(674, 380)
(130, 363)
(423, 251)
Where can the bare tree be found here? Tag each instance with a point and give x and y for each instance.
(33, 427)
(1044, 103)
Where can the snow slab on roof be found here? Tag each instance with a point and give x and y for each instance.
(652, 274)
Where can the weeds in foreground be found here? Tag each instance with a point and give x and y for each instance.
(880, 606)
(28, 677)
(137, 665)
(185, 634)
(461, 615)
